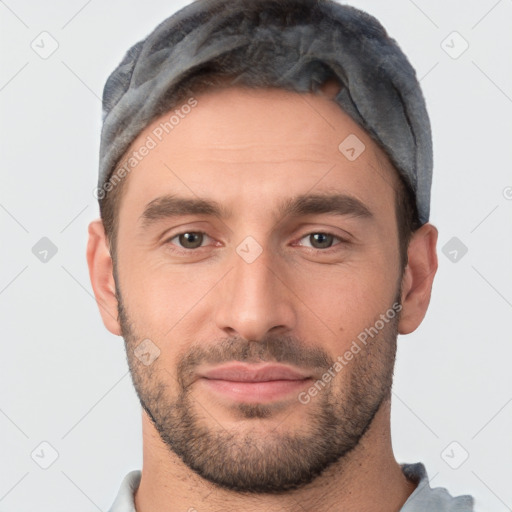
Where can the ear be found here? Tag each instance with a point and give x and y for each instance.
(102, 276)
(418, 278)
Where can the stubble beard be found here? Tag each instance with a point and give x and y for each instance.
(274, 460)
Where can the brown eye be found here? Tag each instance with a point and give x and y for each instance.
(191, 240)
(321, 240)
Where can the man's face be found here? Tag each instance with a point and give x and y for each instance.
(252, 304)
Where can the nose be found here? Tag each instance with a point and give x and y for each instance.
(255, 299)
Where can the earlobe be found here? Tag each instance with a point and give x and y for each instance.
(102, 276)
(418, 278)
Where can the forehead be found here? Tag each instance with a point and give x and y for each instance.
(237, 142)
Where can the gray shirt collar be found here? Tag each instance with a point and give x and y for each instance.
(423, 499)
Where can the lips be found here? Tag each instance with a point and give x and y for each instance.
(237, 372)
(254, 383)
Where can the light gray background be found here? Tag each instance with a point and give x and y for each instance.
(63, 377)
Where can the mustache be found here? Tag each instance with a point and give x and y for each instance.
(278, 349)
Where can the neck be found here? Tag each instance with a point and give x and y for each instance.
(368, 478)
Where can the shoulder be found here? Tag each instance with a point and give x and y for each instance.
(425, 498)
(124, 501)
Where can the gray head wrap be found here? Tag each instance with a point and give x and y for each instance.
(293, 44)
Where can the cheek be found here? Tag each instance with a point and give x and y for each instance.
(346, 299)
(164, 300)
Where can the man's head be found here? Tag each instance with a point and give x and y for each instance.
(264, 226)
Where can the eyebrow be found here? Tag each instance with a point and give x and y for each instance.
(337, 204)
(170, 206)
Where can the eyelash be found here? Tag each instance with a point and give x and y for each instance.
(183, 250)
